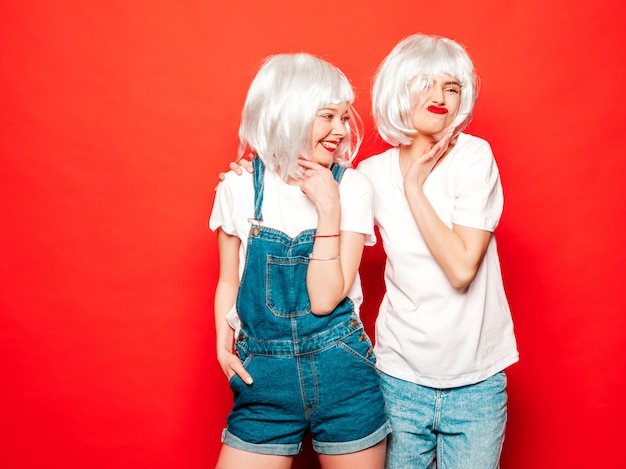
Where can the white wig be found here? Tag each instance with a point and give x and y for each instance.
(282, 103)
(407, 71)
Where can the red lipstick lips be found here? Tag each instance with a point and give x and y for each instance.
(437, 110)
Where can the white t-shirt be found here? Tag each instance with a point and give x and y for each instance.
(428, 332)
(286, 208)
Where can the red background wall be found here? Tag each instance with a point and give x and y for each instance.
(116, 118)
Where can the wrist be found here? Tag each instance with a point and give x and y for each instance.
(412, 187)
(334, 235)
(329, 208)
(223, 351)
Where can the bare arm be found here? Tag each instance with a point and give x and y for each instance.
(329, 281)
(459, 250)
(335, 259)
(225, 297)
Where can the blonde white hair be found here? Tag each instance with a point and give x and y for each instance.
(407, 71)
(281, 105)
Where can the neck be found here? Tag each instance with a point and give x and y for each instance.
(416, 148)
(294, 181)
(419, 146)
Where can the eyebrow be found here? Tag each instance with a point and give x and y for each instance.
(453, 82)
(332, 109)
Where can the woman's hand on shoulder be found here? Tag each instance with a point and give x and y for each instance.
(238, 166)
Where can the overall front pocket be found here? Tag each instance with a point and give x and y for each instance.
(287, 295)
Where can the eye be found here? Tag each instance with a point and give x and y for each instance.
(327, 116)
(345, 118)
(453, 89)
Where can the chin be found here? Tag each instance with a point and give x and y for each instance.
(325, 160)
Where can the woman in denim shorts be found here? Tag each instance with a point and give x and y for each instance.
(302, 363)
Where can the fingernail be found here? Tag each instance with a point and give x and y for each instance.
(249, 381)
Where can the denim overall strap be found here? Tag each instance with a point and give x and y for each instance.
(337, 171)
(258, 181)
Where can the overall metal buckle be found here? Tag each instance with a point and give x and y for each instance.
(256, 226)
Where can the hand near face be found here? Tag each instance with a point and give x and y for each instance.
(319, 185)
(423, 165)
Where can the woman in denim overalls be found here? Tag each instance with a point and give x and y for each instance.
(302, 362)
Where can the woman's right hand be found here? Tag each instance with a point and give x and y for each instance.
(231, 365)
(319, 186)
(422, 166)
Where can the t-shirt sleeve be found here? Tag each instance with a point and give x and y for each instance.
(222, 213)
(357, 205)
(479, 198)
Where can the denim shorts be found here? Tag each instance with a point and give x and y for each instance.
(454, 428)
(332, 391)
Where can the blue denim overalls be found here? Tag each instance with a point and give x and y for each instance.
(311, 373)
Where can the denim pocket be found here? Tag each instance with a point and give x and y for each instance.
(359, 346)
(287, 295)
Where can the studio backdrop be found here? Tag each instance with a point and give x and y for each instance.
(116, 119)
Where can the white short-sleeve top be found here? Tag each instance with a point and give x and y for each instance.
(428, 332)
(286, 208)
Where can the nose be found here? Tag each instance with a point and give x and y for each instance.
(437, 95)
(339, 128)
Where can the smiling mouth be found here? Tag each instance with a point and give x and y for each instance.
(437, 110)
(330, 146)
